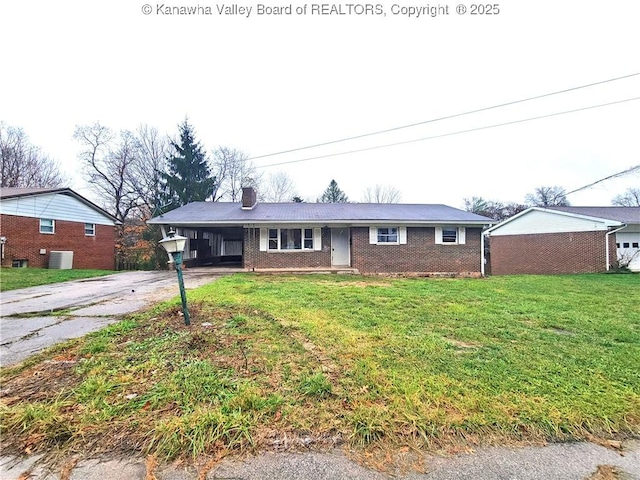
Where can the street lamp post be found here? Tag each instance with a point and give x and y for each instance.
(174, 245)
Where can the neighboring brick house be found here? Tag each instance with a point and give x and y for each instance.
(566, 240)
(369, 238)
(36, 221)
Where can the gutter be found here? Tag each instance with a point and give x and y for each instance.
(606, 244)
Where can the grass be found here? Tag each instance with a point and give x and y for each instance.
(14, 278)
(366, 361)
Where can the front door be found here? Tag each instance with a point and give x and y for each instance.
(340, 247)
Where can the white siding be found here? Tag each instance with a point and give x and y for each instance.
(547, 222)
(54, 206)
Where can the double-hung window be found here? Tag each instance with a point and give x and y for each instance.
(387, 235)
(448, 235)
(47, 225)
(90, 229)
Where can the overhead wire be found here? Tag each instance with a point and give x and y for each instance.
(459, 132)
(447, 117)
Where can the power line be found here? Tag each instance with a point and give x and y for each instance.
(486, 127)
(615, 175)
(484, 109)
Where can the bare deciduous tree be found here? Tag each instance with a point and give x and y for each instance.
(153, 150)
(278, 187)
(548, 197)
(630, 198)
(110, 165)
(493, 209)
(382, 194)
(22, 164)
(233, 171)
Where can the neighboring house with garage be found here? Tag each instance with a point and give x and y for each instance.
(34, 222)
(369, 238)
(566, 240)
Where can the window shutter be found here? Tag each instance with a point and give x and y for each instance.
(462, 236)
(317, 238)
(402, 233)
(264, 239)
(438, 235)
(373, 235)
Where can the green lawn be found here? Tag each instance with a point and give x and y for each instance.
(14, 278)
(422, 363)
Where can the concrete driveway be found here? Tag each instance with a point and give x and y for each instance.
(32, 319)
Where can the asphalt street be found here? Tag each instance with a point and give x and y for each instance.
(569, 461)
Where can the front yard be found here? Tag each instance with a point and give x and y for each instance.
(278, 361)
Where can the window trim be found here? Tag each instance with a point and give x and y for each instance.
(93, 230)
(461, 235)
(53, 226)
(266, 239)
(401, 232)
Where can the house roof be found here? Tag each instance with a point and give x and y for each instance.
(226, 213)
(11, 192)
(618, 214)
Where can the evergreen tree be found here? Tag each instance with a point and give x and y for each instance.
(189, 177)
(333, 194)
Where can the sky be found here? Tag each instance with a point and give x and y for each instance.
(267, 83)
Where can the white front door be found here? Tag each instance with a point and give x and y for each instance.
(340, 247)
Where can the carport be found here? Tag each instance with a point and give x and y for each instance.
(212, 246)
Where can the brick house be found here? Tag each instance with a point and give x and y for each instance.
(566, 240)
(36, 221)
(369, 238)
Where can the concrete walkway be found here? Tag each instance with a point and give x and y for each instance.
(32, 319)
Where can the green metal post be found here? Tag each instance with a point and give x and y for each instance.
(177, 257)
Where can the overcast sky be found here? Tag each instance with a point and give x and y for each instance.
(269, 83)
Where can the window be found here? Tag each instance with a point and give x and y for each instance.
(47, 225)
(625, 245)
(617, 245)
(291, 239)
(90, 229)
(634, 244)
(449, 235)
(308, 238)
(387, 235)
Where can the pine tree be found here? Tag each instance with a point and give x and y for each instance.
(189, 177)
(333, 194)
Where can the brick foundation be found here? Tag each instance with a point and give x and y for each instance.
(551, 253)
(24, 242)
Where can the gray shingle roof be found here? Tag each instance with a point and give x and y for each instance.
(218, 213)
(618, 214)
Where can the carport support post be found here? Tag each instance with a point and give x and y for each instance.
(177, 258)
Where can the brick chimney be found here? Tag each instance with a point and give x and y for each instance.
(249, 198)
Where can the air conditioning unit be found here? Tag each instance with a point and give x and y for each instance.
(60, 260)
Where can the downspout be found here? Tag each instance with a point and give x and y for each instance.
(482, 259)
(606, 243)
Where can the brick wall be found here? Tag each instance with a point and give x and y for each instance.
(549, 253)
(419, 255)
(254, 258)
(24, 241)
